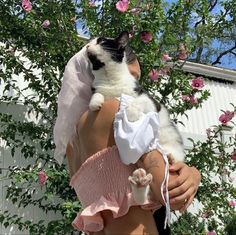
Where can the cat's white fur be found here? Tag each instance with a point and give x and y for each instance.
(111, 81)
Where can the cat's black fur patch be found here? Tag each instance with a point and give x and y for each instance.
(97, 64)
(93, 90)
(113, 47)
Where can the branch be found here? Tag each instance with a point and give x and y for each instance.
(233, 53)
(217, 61)
(222, 18)
(211, 7)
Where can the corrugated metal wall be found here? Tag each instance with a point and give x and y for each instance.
(222, 94)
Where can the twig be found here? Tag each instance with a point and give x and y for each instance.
(217, 61)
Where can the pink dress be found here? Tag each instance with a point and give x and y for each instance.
(102, 183)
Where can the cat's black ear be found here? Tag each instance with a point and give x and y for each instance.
(123, 39)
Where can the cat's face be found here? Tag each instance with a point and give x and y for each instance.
(102, 51)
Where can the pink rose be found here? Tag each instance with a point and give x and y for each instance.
(229, 114)
(211, 233)
(197, 83)
(164, 72)
(46, 24)
(153, 74)
(190, 98)
(223, 119)
(232, 203)
(182, 56)
(42, 178)
(165, 57)
(182, 52)
(193, 100)
(122, 5)
(226, 117)
(146, 36)
(92, 3)
(233, 156)
(26, 5)
(186, 98)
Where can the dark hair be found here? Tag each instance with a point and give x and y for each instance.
(130, 55)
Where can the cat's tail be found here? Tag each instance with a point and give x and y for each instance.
(169, 137)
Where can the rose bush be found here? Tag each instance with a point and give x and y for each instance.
(160, 33)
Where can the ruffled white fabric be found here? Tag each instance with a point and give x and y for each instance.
(73, 100)
(134, 139)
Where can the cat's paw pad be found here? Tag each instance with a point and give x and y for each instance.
(96, 102)
(140, 178)
(133, 113)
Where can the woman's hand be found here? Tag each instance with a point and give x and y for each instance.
(182, 188)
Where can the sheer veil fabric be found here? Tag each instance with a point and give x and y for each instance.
(73, 100)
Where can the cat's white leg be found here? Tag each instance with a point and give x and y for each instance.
(170, 138)
(133, 112)
(140, 181)
(96, 101)
(141, 104)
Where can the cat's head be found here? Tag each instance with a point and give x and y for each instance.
(102, 51)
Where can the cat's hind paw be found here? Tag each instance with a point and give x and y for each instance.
(96, 102)
(140, 178)
(139, 182)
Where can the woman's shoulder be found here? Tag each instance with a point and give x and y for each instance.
(104, 116)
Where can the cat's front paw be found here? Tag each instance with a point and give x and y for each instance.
(133, 113)
(140, 178)
(96, 102)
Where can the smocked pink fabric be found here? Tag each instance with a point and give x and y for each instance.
(102, 183)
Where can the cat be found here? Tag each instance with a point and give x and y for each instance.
(107, 57)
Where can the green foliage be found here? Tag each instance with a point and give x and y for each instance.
(38, 56)
(188, 223)
(230, 228)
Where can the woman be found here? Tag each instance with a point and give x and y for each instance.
(95, 133)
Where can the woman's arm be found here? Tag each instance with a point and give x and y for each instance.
(73, 159)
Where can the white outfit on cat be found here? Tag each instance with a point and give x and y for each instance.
(133, 139)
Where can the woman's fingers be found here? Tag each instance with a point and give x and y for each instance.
(180, 189)
(183, 198)
(175, 183)
(187, 204)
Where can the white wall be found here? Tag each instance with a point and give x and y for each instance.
(222, 94)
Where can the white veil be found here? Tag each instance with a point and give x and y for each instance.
(73, 100)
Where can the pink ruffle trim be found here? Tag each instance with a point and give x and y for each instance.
(90, 219)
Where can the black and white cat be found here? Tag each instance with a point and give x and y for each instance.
(112, 79)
